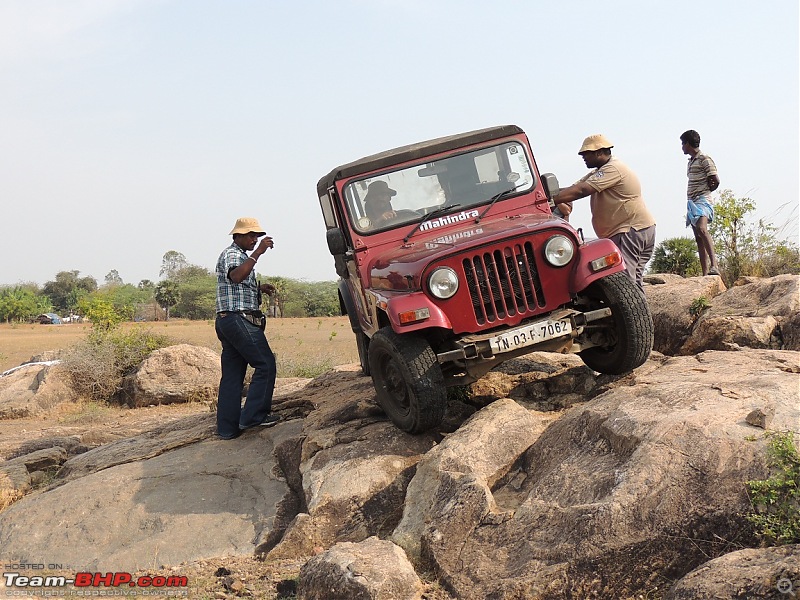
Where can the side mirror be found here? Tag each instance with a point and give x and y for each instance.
(336, 242)
(550, 184)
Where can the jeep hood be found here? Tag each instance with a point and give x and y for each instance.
(399, 267)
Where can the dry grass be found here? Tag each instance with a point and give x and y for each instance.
(303, 347)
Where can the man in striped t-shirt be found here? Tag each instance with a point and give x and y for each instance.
(703, 179)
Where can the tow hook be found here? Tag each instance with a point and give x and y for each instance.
(465, 352)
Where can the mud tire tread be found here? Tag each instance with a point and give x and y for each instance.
(632, 321)
(421, 374)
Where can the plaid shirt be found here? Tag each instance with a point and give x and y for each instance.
(235, 296)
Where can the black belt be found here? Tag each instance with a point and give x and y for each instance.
(239, 312)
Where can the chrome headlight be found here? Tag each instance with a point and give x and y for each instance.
(559, 250)
(443, 283)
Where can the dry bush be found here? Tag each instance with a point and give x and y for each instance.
(98, 364)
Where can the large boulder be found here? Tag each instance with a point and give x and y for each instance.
(367, 570)
(352, 466)
(211, 498)
(181, 373)
(755, 313)
(156, 441)
(641, 483)
(751, 573)
(32, 388)
(500, 433)
(670, 297)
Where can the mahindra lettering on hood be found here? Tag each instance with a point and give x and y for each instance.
(451, 261)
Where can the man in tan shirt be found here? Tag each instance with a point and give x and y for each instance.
(618, 209)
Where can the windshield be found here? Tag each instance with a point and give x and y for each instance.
(466, 180)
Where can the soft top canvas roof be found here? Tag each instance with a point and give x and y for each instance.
(413, 152)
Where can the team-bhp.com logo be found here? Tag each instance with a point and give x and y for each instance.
(157, 583)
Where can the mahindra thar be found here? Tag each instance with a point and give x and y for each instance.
(451, 261)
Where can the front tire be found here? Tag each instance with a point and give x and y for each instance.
(628, 332)
(408, 380)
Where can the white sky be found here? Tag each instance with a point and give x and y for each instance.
(129, 128)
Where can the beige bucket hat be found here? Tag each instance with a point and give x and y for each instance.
(595, 142)
(248, 225)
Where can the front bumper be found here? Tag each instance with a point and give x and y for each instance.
(477, 354)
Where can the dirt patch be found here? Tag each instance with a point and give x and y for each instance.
(232, 577)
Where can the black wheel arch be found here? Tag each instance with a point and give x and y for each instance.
(348, 305)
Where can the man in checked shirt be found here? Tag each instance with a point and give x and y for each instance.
(240, 328)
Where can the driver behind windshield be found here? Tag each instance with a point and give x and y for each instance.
(378, 202)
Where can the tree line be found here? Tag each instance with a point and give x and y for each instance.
(184, 291)
(743, 247)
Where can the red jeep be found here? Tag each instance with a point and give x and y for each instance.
(452, 262)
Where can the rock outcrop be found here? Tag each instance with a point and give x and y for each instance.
(548, 481)
(750, 573)
(32, 388)
(210, 498)
(754, 313)
(370, 569)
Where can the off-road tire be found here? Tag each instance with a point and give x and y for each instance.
(408, 380)
(362, 343)
(631, 325)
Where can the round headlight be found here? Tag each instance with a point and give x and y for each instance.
(443, 283)
(559, 250)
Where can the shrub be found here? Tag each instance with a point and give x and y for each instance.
(100, 311)
(776, 501)
(98, 364)
(678, 256)
(697, 307)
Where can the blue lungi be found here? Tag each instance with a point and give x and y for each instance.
(698, 207)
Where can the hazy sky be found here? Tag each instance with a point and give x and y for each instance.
(129, 128)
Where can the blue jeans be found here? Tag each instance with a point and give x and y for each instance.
(243, 343)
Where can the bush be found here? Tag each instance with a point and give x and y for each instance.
(744, 247)
(776, 501)
(678, 256)
(697, 307)
(98, 365)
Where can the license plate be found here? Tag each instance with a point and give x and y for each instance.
(530, 334)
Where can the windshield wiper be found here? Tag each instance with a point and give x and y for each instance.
(497, 197)
(428, 217)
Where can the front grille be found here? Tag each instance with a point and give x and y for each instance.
(503, 282)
